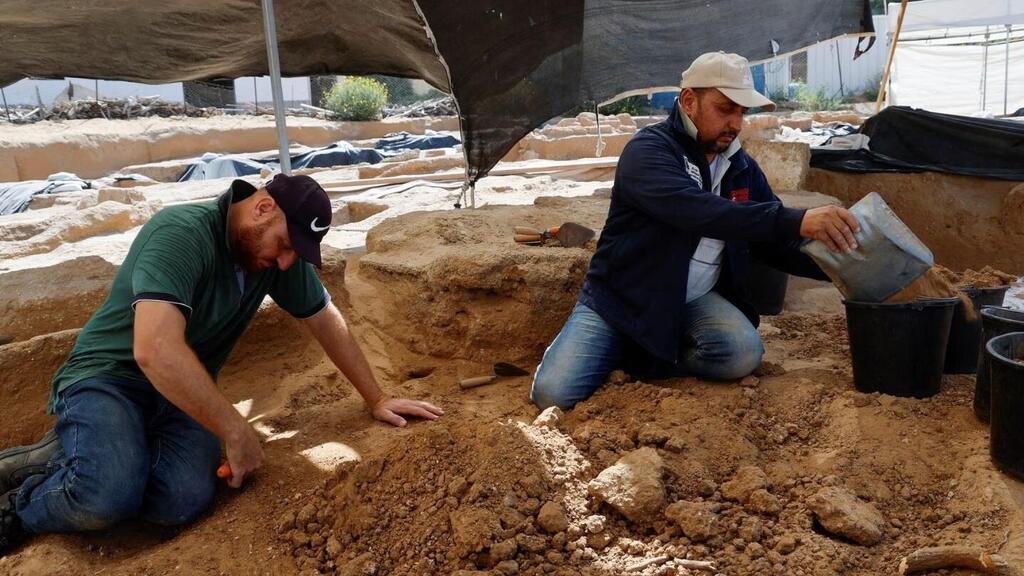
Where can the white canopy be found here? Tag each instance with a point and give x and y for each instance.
(936, 14)
(959, 56)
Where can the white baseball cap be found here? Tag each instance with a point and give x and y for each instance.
(730, 74)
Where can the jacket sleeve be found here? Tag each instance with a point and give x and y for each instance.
(654, 181)
(784, 255)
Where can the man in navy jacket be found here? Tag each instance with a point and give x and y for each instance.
(668, 290)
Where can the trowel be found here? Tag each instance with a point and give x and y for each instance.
(569, 235)
(500, 370)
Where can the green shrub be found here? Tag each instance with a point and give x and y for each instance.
(357, 98)
(814, 101)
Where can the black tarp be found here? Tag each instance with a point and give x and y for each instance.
(909, 140)
(510, 64)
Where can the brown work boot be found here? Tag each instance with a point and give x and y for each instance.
(20, 462)
(11, 531)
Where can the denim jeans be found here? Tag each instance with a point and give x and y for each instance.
(127, 453)
(718, 343)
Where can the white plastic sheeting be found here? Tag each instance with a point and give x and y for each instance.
(952, 56)
(936, 14)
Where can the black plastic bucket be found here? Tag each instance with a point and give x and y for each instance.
(899, 349)
(1006, 358)
(994, 322)
(768, 288)
(965, 333)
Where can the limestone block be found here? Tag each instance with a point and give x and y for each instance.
(843, 514)
(633, 485)
(785, 164)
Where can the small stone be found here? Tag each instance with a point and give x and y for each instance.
(299, 538)
(333, 547)
(549, 418)
(652, 434)
(552, 518)
(505, 549)
(697, 520)
(843, 514)
(762, 501)
(306, 515)
(507, 567)
(751, 529)
(633, 485)
(457, 487)
(599, 541)
(786, 544)
(594, 523)
(533, 544)
(750, 381)
(747, 480)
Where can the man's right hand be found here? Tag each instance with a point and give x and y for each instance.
(244, 452)
(832, 225)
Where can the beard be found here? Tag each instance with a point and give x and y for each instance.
(715, 145)
(246, 244)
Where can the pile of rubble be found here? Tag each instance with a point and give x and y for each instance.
(125, 109)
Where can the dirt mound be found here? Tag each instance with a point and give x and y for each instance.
(457, 285)
(987, 277)
(754, 478)
(747, 472)
(458, 495)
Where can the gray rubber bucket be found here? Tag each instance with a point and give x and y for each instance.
(1006, 361)
(994, 322)
(888, 256)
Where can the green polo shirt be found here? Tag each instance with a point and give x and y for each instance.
(182, 256)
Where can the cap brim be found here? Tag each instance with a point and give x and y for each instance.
(748, 98)
(305, 244)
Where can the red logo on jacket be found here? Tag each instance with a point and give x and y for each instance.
(741, 195)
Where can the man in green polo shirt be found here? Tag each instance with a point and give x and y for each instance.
(140, 421)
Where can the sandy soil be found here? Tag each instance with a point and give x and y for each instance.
(485, 490)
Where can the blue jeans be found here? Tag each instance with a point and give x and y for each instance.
(127, 453)
(718, 343)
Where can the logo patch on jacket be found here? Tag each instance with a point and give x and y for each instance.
(741, 195)
(694, 171)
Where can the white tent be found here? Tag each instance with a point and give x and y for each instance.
(959, 56)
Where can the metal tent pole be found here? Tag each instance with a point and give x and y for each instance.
(984, 73)
(1006, 70)
(270, 31)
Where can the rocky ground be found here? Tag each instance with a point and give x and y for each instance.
(790, 471)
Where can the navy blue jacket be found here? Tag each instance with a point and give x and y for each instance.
(658, 214)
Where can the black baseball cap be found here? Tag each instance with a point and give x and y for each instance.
(308, 211)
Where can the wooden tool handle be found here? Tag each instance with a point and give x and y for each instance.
(478, 381)
(528, 238)
(526, 230)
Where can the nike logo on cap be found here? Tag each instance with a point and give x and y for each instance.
(315, 228)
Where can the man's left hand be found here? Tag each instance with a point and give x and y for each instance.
(391, 410)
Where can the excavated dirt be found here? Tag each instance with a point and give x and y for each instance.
(485, 491)
(987, 277)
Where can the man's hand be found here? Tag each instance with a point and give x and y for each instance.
(389, 410)
(244, 452)
(832, 225)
